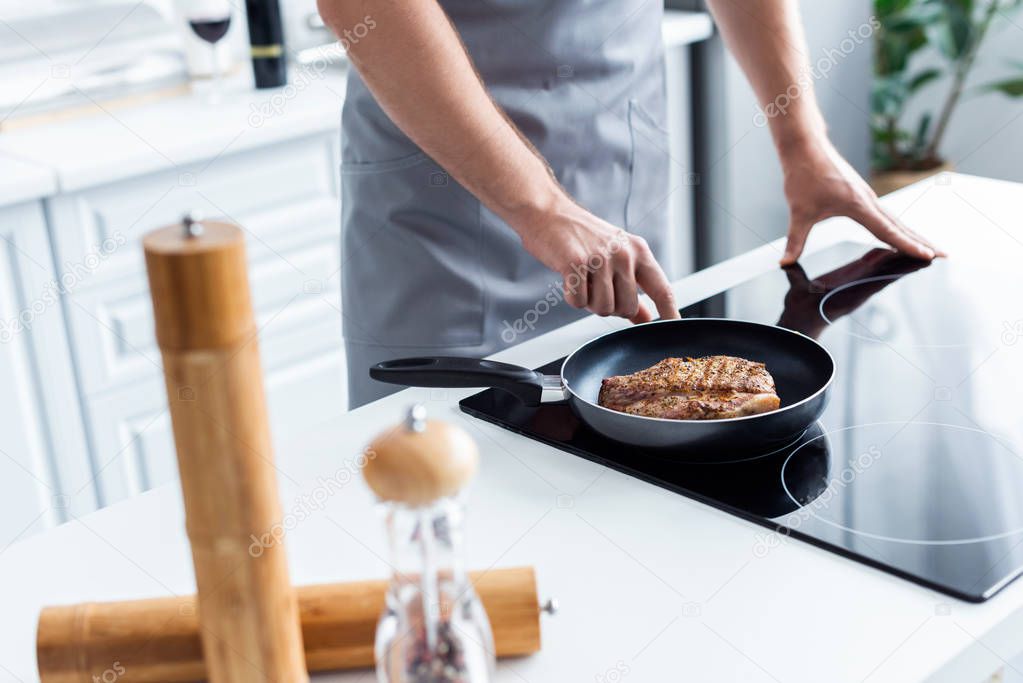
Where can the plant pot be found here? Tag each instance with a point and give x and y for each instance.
(884, 182)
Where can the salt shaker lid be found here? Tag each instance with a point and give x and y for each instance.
(419, 461)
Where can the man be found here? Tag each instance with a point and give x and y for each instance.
(493, 147)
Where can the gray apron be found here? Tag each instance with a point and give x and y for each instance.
(426, 269)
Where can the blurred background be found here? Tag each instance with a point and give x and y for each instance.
(118, 116)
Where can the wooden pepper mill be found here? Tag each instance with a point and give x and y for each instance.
(248, 615)
(434, 628)
(157, 640)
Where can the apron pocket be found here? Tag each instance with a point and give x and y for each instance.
(411, 240)
(357, 167)
(646, 204)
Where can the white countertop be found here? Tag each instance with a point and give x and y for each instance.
(647, 579)
(171, 134)
(116, 143)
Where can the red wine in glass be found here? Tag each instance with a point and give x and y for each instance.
(210, 30)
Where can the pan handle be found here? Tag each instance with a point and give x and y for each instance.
(455, 372)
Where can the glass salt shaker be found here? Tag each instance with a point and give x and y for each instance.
(434, 628)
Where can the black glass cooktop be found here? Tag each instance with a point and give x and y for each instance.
(915, 467)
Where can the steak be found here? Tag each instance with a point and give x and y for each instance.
(693, 389)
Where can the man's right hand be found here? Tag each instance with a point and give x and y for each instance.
(602, 266)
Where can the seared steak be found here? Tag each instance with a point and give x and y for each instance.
(693, 389)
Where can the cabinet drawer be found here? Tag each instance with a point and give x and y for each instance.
(113, 325)
(131, 425)
(280, 195)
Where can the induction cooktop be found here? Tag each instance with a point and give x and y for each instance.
(915, 468)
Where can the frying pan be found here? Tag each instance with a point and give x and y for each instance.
(802, 370)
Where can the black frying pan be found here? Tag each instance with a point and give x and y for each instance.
(802, 371)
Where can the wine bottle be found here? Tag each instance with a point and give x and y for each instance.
(266, 38)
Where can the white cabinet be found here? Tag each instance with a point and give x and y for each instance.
(285, 197)
(83, 415)
(45, 473)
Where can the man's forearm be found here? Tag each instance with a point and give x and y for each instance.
(766, 37)
(415, 65)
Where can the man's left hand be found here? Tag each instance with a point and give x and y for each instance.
(820, 184)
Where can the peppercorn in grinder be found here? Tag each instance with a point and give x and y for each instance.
(434, 628)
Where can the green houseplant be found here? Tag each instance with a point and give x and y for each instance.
(921, 44)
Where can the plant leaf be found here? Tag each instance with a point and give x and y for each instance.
(1012, 87)
(893, 50)
(888, 95)
(885, 8)
(903, 31)
(923, 78)
(920, 141)
(915, 16)
(954, 33)
(882, 134)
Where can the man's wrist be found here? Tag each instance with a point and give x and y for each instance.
(534, 202)
(797, 139)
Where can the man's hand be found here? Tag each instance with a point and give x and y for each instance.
(602, 266)
(820, 184)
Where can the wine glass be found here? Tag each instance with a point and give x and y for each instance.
(210, 20)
